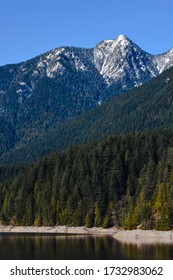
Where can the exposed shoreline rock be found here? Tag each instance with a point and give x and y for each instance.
(57, 229)
(144, 236)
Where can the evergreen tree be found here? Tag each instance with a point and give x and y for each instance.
(97, 221)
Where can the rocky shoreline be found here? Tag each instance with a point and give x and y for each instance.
(57, 229)
(125, 236)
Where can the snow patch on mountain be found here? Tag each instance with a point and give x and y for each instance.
(54, 63)
(164, 61)
(50, 64)
(24, 91)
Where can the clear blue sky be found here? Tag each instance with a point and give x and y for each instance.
(32, 27)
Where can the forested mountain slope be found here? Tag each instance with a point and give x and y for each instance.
(145, 108)
(123, 181)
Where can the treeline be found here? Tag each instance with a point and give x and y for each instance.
(124, 181)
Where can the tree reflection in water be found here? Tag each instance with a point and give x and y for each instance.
(74, 247)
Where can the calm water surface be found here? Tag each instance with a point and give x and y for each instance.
(74, 247)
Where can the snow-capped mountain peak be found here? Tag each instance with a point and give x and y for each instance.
(119, 58)
(123, 40)
(122, 37)
(114, 58)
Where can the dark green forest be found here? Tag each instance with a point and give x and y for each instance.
(124, 181)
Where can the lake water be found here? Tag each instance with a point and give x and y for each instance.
(74, 247)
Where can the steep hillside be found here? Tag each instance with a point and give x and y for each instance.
(145, 108)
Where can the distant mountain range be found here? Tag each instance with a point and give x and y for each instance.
(44, 92)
